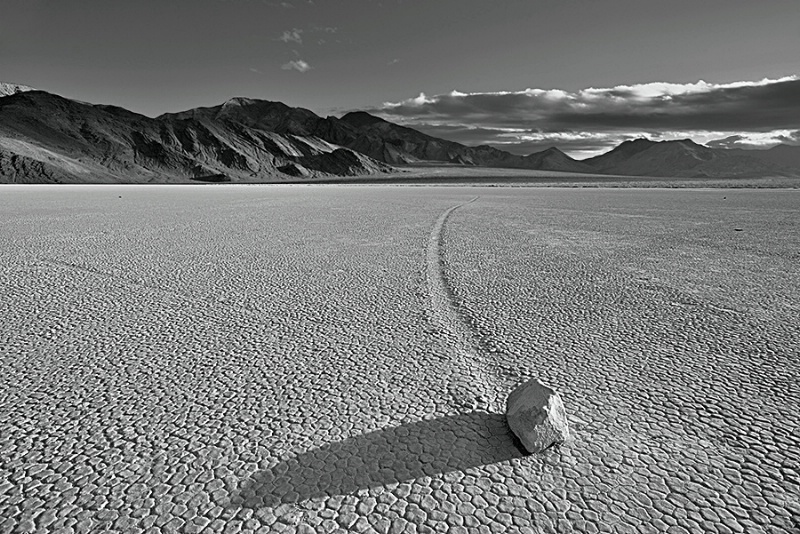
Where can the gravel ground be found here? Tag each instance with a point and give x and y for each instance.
(320, 359)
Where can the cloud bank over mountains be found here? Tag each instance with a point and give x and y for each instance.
(745, 114)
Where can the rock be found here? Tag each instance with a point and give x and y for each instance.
(535, 413)
(293, 169)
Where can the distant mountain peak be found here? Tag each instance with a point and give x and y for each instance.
(550, 153)
(681, 158)
(238, 101)
(361, 118)
(641, 142)
(686, 142)
(7, 89)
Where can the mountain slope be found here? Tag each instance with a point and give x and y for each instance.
(44, 137)
(13, 88)
(619, 154)
(681, 159)
(393, 143)
(785, 155)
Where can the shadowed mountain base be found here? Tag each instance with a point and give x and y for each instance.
(407, 452)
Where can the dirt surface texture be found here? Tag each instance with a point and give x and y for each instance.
(337, 359)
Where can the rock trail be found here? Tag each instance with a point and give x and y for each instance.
(483, 381)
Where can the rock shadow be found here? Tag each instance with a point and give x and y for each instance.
(398, 454)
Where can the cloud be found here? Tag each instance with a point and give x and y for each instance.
(325, 29)
(756, 140)
(522, 118)
(791, 138)
(299, 65)
(295, 35)
(732, 141)
(765, 105)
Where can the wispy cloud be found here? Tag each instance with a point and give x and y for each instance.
(325, 29)
(299, 65)
(295, 35)
(596, 116)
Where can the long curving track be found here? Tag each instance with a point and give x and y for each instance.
(336, 359)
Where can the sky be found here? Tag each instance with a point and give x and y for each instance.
(522, 75)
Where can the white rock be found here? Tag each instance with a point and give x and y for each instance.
(535, 413)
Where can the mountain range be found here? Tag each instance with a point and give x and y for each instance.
(45, 138)
(687, 159)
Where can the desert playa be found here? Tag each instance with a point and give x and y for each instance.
(337, 358)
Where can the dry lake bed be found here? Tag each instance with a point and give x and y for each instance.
(337, 358)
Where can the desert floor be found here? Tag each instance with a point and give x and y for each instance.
(336, 358)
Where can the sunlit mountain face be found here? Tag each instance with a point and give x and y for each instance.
(7, 89)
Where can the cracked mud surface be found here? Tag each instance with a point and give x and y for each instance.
(323, 359)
